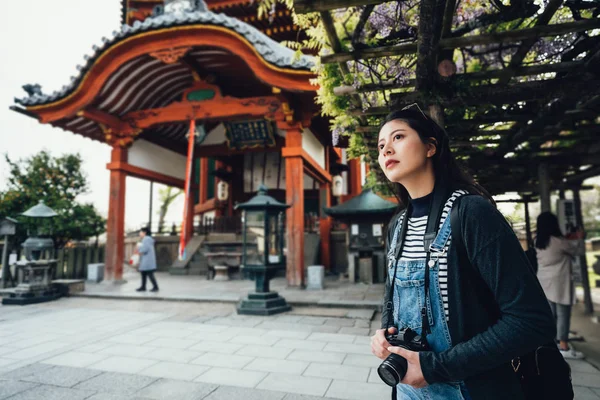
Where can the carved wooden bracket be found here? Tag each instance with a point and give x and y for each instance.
(170, 56)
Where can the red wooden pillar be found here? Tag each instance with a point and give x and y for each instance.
(203, 180)
(189, 217)
(325, 224)
(115, 225)
(294, 193)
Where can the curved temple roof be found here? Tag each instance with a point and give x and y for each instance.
(271, 51)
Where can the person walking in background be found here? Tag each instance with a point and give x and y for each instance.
(147, 260)
(555, 272)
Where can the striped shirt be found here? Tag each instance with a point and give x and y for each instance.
(413, 245)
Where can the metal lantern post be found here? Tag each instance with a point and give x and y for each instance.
(263, 222)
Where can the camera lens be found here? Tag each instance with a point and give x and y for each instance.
(392, 369)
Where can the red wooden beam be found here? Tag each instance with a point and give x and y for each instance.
(219, 109)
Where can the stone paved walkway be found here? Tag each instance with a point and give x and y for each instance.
(337, 293)
(94, 349)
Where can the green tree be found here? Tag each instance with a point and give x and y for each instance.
(58, 181)
(166, 196)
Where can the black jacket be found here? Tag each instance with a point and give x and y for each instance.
(486, 339)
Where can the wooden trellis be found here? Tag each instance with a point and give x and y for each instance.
(519, 116)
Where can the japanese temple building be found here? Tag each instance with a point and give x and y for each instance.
(219, 65)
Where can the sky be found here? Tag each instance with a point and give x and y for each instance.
(42, 42)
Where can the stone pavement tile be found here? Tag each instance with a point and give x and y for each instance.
(232, 377)
(317, 356)
(361, 314)
(213, 336)
(128, 338)
(172, 343)
(295, 384)
(582, 366)
(174, 355)
(374, 376)
(288, 318)
(128, 350)
(207, 328)
(583, 393)
(335, 338)
(170, 370)
(301, 344)
(289, 334)
(8, 350)
(172, 333)
(358, 390)
(287, 326)
(360, 360)
(62, 376)
(216, 347)
(348, 348)
(9, 388)
(48, 392)
(313, 320)
(293, 396)
(340, 372)
(231, 393)
(35, 340)
(123, 364)
(362, 323)
(247, 323)
(263, 340)
(281, 366)
(223, 360)
(94, 347)
(355, 331)
(27, 370)
(75, 359)
(176, 390)
(364, 340)
(596, 390)
(36, 350)
(6, 361)
(325, 329)
(113, 396)
(586, 379)
(112, 382)
(340, 322)
(252, 350)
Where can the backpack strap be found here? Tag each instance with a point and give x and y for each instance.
(481, 288)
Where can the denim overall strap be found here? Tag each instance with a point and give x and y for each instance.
(409, 273)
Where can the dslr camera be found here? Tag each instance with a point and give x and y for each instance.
(393, 368)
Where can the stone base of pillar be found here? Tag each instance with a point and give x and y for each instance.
(221, 273)
(263, 304)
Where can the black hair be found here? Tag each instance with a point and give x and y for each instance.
(147, 231)
(446, 168)
(547, 226)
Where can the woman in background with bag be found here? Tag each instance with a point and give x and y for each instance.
(555, 272)
(147, 260)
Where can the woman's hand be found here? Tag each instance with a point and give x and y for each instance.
(414, 375)
(379, 345)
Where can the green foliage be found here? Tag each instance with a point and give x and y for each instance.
(58, 181)
(166, 197)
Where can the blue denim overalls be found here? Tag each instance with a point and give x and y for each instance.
(409, 295)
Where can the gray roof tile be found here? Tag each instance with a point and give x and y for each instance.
(272, 51)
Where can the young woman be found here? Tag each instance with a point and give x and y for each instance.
(555, 271)
(147, 260)
(470, 345)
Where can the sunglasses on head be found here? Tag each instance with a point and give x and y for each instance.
(415, 105)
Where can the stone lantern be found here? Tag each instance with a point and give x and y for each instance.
(34, 274)
(8, 227)
(263, 222)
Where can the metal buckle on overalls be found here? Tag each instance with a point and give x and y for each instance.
(436, 253)
(388, 305)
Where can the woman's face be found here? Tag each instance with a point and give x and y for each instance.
(402, 154)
